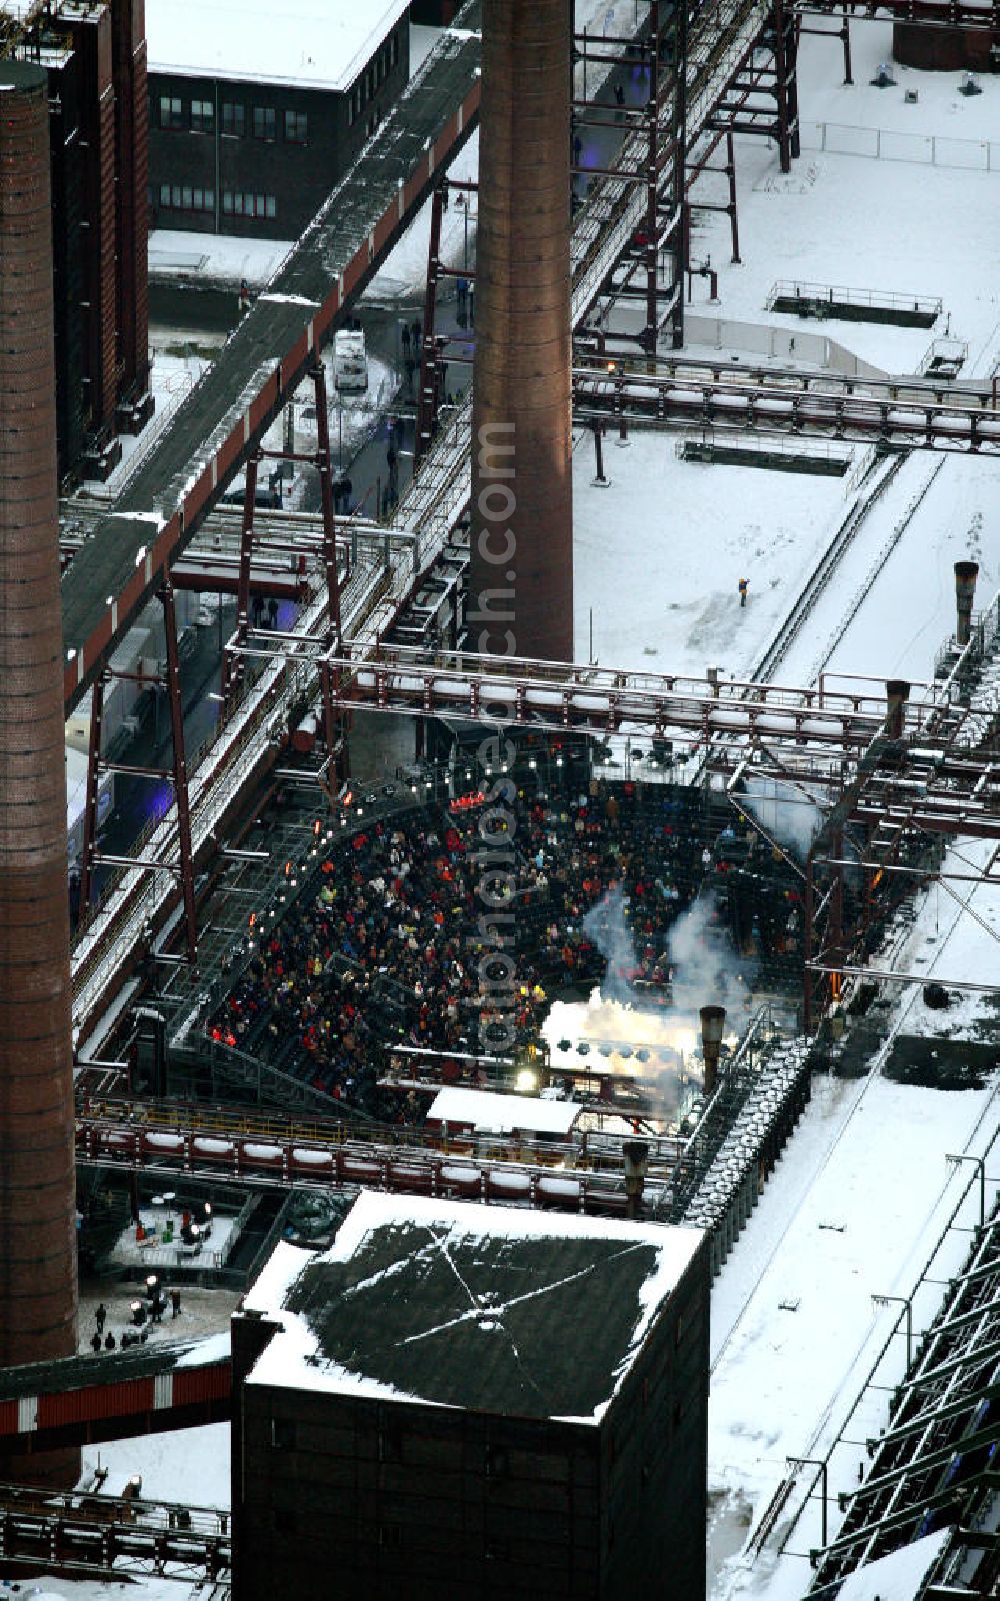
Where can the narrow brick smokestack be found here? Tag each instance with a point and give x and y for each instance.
(521, 581)
(37, 1198)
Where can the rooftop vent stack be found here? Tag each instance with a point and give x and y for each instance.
(897, 692)
(713, 1023)
(521, 574)
(966, 573)
(37, 1178)
(636, 1154)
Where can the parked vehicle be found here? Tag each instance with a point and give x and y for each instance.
(350, 361)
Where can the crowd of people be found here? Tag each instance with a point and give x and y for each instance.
(385, 946)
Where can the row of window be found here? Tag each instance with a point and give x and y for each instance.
(200, 118)
(372, 77)
(245, 203)
(235, 202)
(186, 197)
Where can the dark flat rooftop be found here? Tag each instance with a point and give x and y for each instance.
(493, 1310)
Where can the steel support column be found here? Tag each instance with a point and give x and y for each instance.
(92, 796)
(652, 185)
(427, 383)
(680, 211)
(807, 948)
(786, 95)
(335, 719)
(731, 175)
(181, 798)
(232, 661)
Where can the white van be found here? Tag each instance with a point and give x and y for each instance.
(350, 363)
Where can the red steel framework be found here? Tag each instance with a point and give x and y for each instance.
(91, 856)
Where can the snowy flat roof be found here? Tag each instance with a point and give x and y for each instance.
(318, 44)
(484, 1109)
(449, 1304)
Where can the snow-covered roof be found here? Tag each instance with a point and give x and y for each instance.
(898, 1576)
(484, 1109)
(318, 44)
(454, 1305)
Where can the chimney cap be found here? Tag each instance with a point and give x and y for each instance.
(713, 1021)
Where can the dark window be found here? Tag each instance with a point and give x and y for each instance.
(234, 118)
(171, 112)
(202, 116)
(283, 1434)
(296, 127)
(390, 1442)
(164, 194)
(390, 1536)
(285, 1520)
(394, 50)
(265, 123)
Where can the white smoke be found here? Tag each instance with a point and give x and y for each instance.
(617, 1021)
(787, 811)
(706, 969)
(606, 928)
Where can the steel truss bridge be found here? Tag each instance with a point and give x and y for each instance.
(893, 414)
(99, 1536)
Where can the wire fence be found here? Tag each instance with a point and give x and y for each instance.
(885, 144)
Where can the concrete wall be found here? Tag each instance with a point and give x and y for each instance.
(777, 344)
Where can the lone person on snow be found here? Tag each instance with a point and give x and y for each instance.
(743, 586)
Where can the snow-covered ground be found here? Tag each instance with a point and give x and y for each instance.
(854, 1209)
(190, 1465)
(669, 540)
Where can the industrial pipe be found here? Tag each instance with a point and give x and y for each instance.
(713, 1023)
(966, 573)
(897, 692)
(636, 1155)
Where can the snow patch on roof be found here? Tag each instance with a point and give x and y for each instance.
(316, 44)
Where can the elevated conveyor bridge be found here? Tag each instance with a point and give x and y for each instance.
(119, 568)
